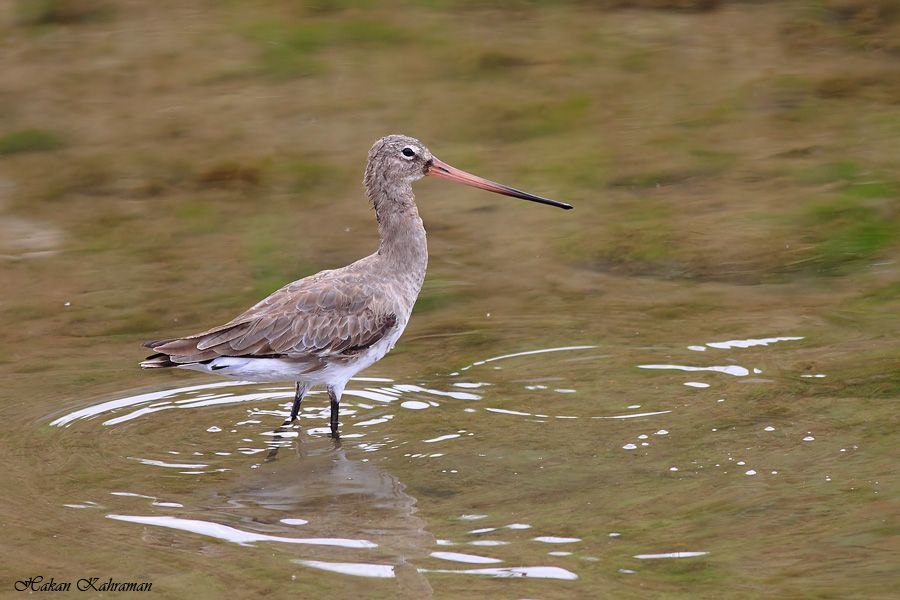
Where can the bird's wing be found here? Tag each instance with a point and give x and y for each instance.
(315, 318)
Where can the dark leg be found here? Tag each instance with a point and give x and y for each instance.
(334, 395)
(302, 388)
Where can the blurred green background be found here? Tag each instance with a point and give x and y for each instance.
(735, 167)
(732, 141)
(174, 161)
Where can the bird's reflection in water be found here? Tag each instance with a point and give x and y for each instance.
(312, 479)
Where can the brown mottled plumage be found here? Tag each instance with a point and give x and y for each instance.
(323, 329)
(333, 314)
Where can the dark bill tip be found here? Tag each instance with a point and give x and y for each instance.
(442, 170)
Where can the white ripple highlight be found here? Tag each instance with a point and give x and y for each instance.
(442, 438)
(404, 387)
(669, 555)
(508, 412)
(415, 405)
(236, 536)
(735, 370)
(160, 463)
(528, 572)
(483, 530)
(749, 343)
(530, 353)
(371, 422)
(465, 558)
(635, 415)
(92, 411)
(356, 569)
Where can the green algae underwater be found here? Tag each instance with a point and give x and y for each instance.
(684, 388)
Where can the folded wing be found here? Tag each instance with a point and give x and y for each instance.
(315, 318)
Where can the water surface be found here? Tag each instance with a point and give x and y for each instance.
(684, 388)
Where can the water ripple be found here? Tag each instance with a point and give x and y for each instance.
(237, 536)
(536, 572)
(730, 370)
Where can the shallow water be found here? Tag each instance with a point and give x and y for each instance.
(568, 468)
(684, 388)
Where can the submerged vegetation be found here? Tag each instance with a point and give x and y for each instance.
(28, 140)
(695, 147)
(735, 171)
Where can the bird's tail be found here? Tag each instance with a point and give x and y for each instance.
(157, 361)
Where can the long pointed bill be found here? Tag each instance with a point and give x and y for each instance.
(437, 168)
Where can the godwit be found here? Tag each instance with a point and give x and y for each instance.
(325, 328)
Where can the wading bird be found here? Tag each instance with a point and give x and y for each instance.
(325, 328)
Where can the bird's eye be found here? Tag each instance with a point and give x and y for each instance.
(408, 152)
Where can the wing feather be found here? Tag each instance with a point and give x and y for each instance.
(324, 316)
(221, 336)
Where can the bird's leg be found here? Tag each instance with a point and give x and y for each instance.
(334, 395)
(302, 388)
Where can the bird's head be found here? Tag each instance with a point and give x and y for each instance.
(395, 161)
(398, 158)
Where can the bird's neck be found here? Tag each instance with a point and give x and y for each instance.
(403, 244)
